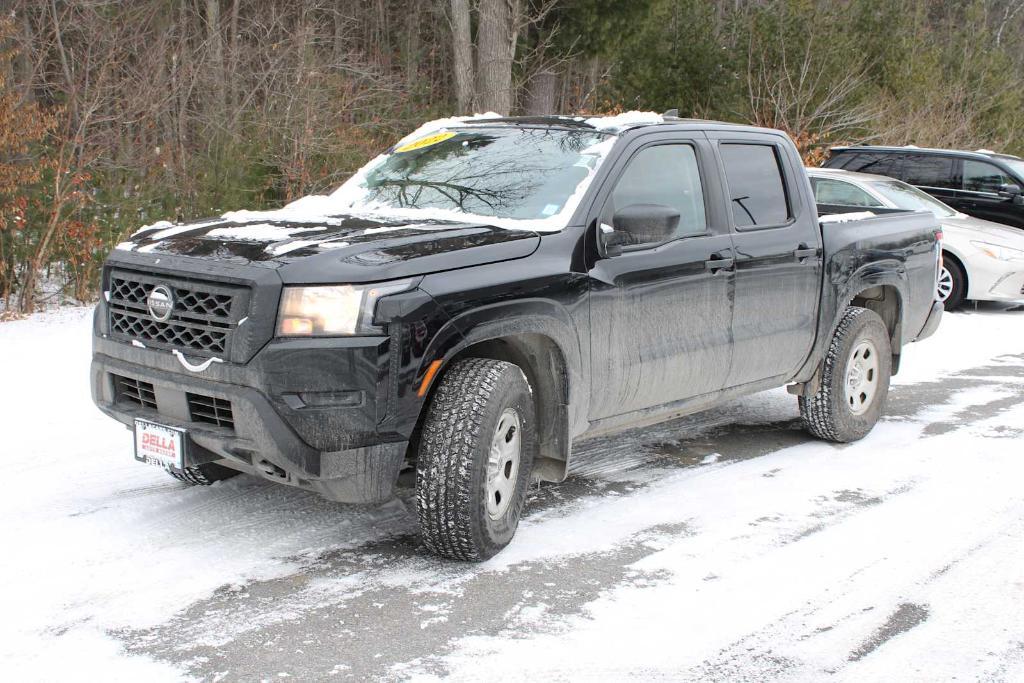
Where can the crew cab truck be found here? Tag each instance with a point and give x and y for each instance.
(489, 292)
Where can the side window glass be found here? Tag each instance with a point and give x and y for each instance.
(664, 176)
(881, 164)
(841, 159)
(982, 177)
(839, 193)
(756, 187)
(929, 170)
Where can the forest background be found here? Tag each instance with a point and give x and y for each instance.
(118, 113)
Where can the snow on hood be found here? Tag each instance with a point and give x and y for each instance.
(345, 202)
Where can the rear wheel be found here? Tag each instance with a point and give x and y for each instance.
(203, 475)
(475, 455)
(854, 379)
(952, 285)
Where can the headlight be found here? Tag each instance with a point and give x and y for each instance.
(1000, 252)
(332, 310)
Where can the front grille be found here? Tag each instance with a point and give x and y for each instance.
(203, 315)
(210, 410)
(134, 391)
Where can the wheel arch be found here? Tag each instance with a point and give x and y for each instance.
(546, 348)
(886, 300)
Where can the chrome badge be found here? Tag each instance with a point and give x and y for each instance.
(160, 303)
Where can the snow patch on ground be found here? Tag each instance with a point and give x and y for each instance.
(899, 553)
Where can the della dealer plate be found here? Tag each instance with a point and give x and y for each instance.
(159, 444)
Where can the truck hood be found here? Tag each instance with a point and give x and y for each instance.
(343, 248)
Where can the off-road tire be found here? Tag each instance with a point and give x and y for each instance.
(452, 458)
(959, 292)
(206, 474)
(826, 413)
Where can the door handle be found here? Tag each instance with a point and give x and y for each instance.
(803, 252)
(715, 264)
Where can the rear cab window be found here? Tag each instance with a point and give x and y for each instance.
(757, 189)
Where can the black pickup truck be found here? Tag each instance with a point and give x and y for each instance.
(489, 292)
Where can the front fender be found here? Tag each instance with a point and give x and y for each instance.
(541, 336)
(511, 319)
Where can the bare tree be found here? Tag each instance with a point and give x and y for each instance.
(462, 50)
(497, 33)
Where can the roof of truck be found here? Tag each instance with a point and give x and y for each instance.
(609, 123)
(980, 154)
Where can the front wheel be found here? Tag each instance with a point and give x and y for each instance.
(854, 379)
(476, 451)
(952, 285)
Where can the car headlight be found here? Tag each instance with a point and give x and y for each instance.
(997, 251)
(332, 310)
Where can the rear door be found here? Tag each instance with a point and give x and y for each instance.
(936, 174)
(778, 257)
(661, 312)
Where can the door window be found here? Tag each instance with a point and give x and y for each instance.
(666, 175)
(928, 170)
(882, 164)
(980, 176)
(839, 193)
(756, 188)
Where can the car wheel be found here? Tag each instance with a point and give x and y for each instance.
(203, 475)
(854, 379)
(952, 286)
(475, 454)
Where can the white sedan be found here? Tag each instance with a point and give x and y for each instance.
(982, 261)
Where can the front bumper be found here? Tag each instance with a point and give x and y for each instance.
(317, 414)
(993, 280)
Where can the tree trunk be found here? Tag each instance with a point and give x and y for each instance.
(496, 47)
(25, 59)
(543, 93)
(216, 54)
(462, 45)
(232, 72)
(412, 44)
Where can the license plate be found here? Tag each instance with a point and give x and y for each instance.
(159, 444)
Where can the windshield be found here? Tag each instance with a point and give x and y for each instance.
(517, 173)
(1017, 166)
(907, 197)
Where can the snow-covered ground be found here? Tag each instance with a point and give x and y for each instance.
(723, 546)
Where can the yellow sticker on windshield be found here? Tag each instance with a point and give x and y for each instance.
(425, 142)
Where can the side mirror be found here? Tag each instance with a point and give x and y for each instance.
(643, 224)
(1009, 189)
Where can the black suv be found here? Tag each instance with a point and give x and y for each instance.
(982, 184)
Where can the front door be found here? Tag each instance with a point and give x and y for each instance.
(778, 259)
(661, 311)
(984, 196)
